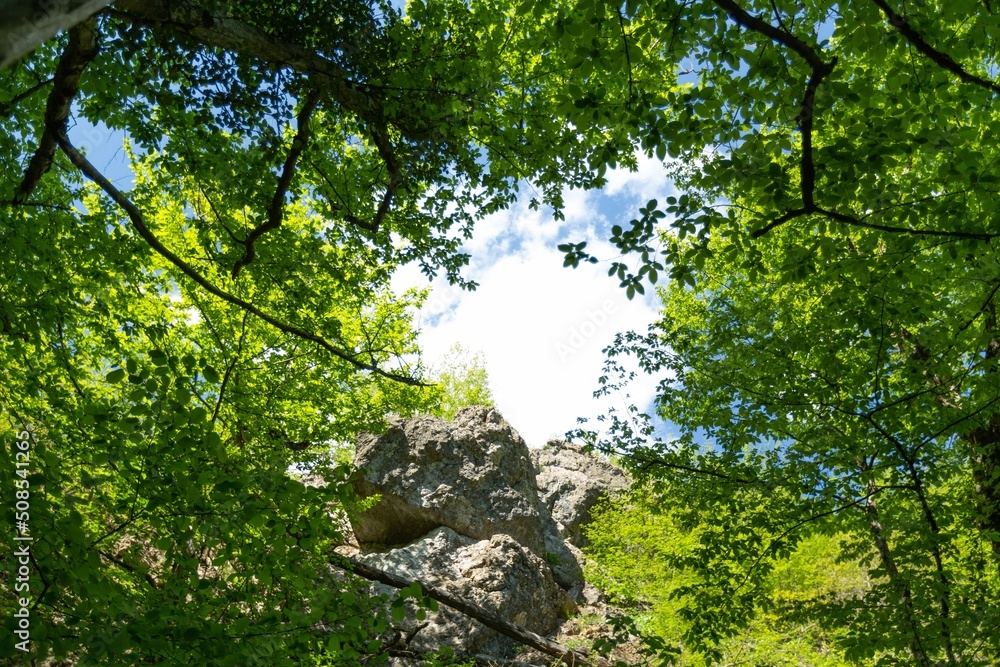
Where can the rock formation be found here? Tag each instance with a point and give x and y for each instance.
(473, 475)
(570, 483)
(465, 506)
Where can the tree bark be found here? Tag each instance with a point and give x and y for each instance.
(26, 25)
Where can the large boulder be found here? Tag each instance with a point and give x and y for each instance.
(497, 574)
(570, 482)
(473, 475)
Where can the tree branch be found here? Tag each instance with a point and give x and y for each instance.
(853, 221)
(783, 37)
(650, 461)
(780, 220)
(945, 591)
(940, 58)
(138, 222)
(628, 58)
(895, 580)
(8, 106)
(187, 18)
(798, 524)
(487, 618)
(276, 211)
(128, 568)
(820, 70)
(190, 19)
(25, 25)
(807, 168)
(859, 222)
(82, 48)
(229, 368)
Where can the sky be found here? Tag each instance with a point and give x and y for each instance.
(540, 327)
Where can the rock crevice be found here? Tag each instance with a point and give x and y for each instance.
(467, 506)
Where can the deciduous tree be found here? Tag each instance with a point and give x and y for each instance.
(829, 344)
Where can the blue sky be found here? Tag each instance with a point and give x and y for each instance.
(541, 328)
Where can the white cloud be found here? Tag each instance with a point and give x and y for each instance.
(649, 181)
(540, 327)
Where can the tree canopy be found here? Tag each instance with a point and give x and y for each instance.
(828, 347)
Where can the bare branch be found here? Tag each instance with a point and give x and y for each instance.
(487, 618)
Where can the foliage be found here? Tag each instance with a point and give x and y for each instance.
(178, 345)
(857, 400)
(461, 381)
(445, 657)
(642, 558)
(828, 346)
(165, 524)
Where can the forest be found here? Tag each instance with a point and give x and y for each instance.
(826, 349)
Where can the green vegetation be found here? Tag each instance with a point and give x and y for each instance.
(647, 562)
(828, 348)
(177, 345)
(461, 382)
(828, 343)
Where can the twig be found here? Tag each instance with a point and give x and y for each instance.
(7, 106)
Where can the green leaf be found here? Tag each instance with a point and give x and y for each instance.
(211, 375)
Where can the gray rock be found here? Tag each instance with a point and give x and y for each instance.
(496, 573)
(570, 483)
(564, 559)
(473, 475)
